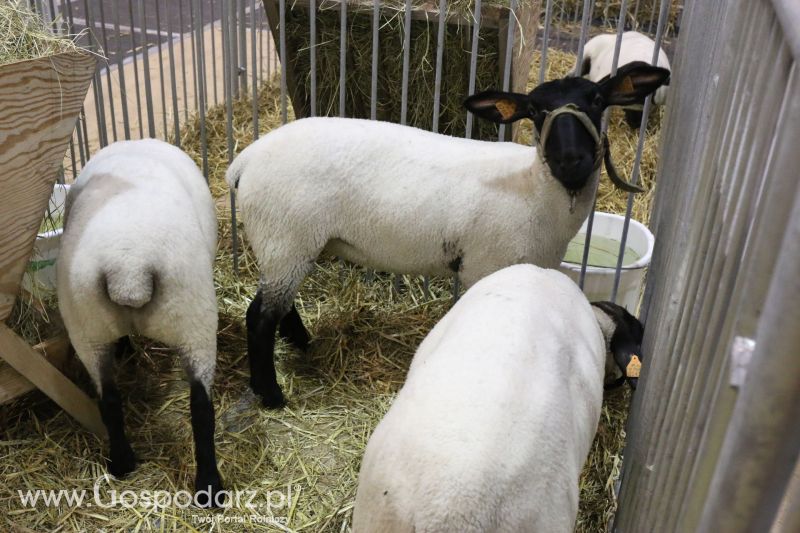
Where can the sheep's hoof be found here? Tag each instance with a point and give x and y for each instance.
(208, 491)
(122, 463)
(273, 399)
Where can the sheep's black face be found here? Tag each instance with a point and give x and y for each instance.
(626, 342)
(570, 149)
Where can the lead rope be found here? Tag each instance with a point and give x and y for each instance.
(602, 153)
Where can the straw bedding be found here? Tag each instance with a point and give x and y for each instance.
(365, 334)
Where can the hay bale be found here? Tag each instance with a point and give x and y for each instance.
(422, 59)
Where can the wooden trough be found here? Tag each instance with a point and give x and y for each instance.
(493, 43)
(41, 101)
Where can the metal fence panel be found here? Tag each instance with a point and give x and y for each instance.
(702, 453)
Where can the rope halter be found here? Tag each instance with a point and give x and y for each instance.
(602, 151)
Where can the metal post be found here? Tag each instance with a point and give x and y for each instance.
(176, 119)
(507, 60)
(473, 60)
(342, 57)
(406, 53)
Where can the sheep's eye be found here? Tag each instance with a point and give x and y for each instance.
(598, 101)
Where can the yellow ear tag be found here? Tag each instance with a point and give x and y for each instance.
(633, 368)
(507, 108)
(626, 85)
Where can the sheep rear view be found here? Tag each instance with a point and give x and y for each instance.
(137, 257)
(598, 57)
(497, 415)
(409, 201)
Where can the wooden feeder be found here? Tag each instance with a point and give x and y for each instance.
(492, 47)
(41, 101)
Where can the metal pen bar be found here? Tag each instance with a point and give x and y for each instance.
(234, 50)
(473, 63)
(214, 52)
(201, 74)
(83, 142)
(507, 60)
(72, 158)
(437, 84)
(261, 45)
(195, 58)
(587, 10)
(109, 89)
(662, 18)
(312, 56)
(227, 53)
(254, 68)
(342, 57)
(148, 89)
(406, 54)
(97, 81)
(123, 96)
(242, 47)
(136, 83)
(373, 90)
(548, 18)
(185, 86)
(587, 15)
(282, 37)
(162, 84)
(176, 119)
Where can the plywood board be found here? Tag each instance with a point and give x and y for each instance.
(40, 99)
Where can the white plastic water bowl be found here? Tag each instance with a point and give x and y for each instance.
(599, 280)
(40, 276)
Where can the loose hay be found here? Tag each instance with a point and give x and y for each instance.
(364, 335)
(24, 35)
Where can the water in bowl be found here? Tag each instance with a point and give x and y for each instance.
(603, 251)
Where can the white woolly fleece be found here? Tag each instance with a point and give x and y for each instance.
(398, 199)
(137, 255)
(635, 47)
(496, 417)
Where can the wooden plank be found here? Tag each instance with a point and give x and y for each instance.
(40, 99)
(49, 380)
(14, 384)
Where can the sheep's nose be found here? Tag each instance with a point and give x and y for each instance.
(570, 161)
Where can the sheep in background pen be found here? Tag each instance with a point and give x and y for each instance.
(400, 199)
(598, 56)
(137, 256)
(498, 411)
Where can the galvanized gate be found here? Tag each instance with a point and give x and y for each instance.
(714, 431)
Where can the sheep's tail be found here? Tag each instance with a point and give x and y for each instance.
(235, 170)
(132, 287)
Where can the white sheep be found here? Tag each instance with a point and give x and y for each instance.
(400, 199)
(498, 412)
(137, 256)
(598, 55)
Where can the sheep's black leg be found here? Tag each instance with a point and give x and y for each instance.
(633, 118)
(122, 460)
(291, 327)
(207, 483)
(261, 325)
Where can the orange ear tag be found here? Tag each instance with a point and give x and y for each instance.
(507, 108)
(633, 368)
(627, 85)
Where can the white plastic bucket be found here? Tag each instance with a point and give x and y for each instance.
(40, 276)
(599, 281)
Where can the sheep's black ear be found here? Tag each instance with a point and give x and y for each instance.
(498, 106)
(632, 83)
(626, 341)
(586, 66)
